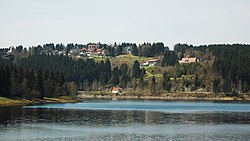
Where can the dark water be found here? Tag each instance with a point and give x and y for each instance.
(127, 120)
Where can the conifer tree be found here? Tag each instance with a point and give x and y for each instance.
(166, 84)
(153, 84)
(136, 70)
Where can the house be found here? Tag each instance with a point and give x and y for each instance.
(73, 52)
(98, 51)
(116, 90)
(188, 60)
(127, 50)
(150, 62)
(8, 57)
(84, 50)
(11, 50)
(92, 47)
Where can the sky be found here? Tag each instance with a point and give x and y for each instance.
(197, 22)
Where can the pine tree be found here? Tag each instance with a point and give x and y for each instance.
(38, 84)
(115, 76)
(5, 83)
(216, 85)
(166, 84)
(196, 81)
(141, 82)
(134, 50)
(136, 70)
(227, 86)
(153, 84)
(118, 50)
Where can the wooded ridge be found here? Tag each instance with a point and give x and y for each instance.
(62, 70)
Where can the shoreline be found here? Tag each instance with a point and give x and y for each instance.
(6, 102)
(162, 97)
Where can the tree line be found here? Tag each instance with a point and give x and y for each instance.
(231, 65)
(90, 74)
(229, 72)
(29, 83)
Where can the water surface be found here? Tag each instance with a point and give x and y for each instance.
(127, 120)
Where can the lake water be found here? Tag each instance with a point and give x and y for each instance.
(127, 120)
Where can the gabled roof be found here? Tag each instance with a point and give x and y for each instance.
(98, 50)
(152, 60)
(188, 60)
(84, 49)
(116, 89)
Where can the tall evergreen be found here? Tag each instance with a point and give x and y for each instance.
(169, 58)
(216, 85)
(134, 50)
(153, 84)
(136, 70)
(166, 84)
(115, 76)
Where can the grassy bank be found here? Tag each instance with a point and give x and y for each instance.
(11, 102)
(20, 102)
(141, 95)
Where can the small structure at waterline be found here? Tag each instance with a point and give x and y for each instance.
(116, 90)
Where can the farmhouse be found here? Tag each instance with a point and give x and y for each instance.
(188, 60)
(92, 47)
(98, 51)
(116, 90)
(150, 62)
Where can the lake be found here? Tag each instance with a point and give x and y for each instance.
(127, 120)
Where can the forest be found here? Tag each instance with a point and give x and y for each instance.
(32, 74)
(17, 82)
(231, 65)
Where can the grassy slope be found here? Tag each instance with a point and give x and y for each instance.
(128, 59)
(158, 71)
(12, 102)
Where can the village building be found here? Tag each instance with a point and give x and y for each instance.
(92, 47)
(116, 90)
(11, 50)
(188, 60)
(127, 50)
(97, 51)
(152, 62)
(8, 57)
(83, 50)
(73, 52)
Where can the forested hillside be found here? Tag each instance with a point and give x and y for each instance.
(28, 83)
(231, 65)
(49, 71)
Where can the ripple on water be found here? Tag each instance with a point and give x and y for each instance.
(57, 122)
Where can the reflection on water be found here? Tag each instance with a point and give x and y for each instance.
(31, 123)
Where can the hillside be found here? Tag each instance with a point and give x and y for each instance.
(148, 68)
(128, 59)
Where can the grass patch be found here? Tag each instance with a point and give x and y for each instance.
(61, 99)
(128, 59)
(12, 102)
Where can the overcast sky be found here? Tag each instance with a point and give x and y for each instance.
(33, 22)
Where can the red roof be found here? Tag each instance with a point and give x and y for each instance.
(116, 89)
(98, 50)
(92, 45)
(84, 49)
(153, 60)
(189, 60)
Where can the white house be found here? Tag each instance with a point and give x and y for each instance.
(116, 90)
(150, 62)
(188, 60)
